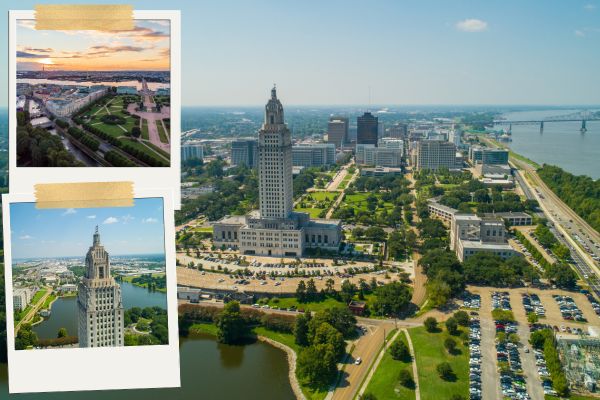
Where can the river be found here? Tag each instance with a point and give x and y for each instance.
(561, 143)
(137, 84)
(64, 309)
(209, 371)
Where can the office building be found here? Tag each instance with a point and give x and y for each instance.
(21, 298)
(67, 100)
(192, 152)
(313, 155)
(367, 129)
(368, 154)
(244, 152)
(337, 131)
(470, 234)
(99, 300)
(127, 90)
(486, 155)
(380, 171)
(399, 131)
(275, 229)
(435, 154)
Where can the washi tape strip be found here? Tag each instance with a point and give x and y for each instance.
(84, 17)
(84, 195)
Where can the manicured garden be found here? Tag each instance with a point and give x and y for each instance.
(161, 132)
(316, 203)
(430, 353)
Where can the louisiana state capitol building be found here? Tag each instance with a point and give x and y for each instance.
(275, 229)
(101, 316)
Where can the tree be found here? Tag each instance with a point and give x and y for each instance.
(348, 291)
(62, 332)
(462, 318)
(301, 330)
(450, 345)
(444, 370)
(358, 232)
(399, 351)
(439, 292)
(405, 378)
(392, 298)
(311, 290)
(375, 234)
(136, 132)
(452, 326)
(368, 396)
(339, 317)
(532, 318)
(301, 291)
(431, 324)
(327, 334)
(231, 328)
(317, 365)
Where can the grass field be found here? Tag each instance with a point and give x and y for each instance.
(158, 150)
(358, 201)
(316, 202)
(206, 328)
(287, 302)
(145, 134)
(48, 301)
(161, 132)
(384, 384)
(344, 183)
(114, 107)
(429, 352)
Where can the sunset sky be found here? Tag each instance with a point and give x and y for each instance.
(144, 48)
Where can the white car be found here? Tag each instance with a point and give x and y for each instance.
(358, 361)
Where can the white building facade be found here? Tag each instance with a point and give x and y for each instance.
(101, 314)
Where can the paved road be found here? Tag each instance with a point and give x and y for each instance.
(534, 384)
(490, 379)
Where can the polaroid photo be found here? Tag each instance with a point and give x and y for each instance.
(96, 105)
(91, 292)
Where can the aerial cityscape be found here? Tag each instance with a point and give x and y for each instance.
(106, 106)
(382, 201)
(95, 299)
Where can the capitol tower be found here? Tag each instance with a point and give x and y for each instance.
(101, 315)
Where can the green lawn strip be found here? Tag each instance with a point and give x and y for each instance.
(38, 295)
(161, 132)
(206, 328)
(158, 150)
(314, 212)
(284, 338)
(140, 146)
(429, 352)
(287, 302)
(204, 229)
(48, 301)
(145, 134)
(384, 383)
(324, 195)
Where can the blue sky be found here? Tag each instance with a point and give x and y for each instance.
(406, 52)
(68, 232)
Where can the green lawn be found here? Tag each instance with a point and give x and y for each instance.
(145, 134)
(324, 195)
(358, 201)
(161, 132)
(37, 296)
(287, 302)
(48, 300)
(429, 352)
(285, 338)
(384, 384)
(209, 329)
(314, 212)
(344, 183)
(316, 202)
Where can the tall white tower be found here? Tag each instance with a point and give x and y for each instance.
(101, 315)
(275, 163)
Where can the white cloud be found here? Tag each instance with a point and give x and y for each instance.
(111, 220)
(91, 217)
(25, 237)
(589, 7)
(149, 220)
(471, 25)
(127, 218)
(69, 211)
(579, 33)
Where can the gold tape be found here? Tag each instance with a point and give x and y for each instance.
(84, 17)
(84, 195)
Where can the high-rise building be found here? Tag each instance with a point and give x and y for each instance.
(244, 152)
(337, 131)
(367, 129)
(399, 130)
(435, 154)
(192, 152)
(313, 155)
(275, 229)
(101, 316)
(388, 154)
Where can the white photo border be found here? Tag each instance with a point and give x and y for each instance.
(22, 179)
(78, 369)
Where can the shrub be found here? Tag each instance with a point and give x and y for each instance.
(462, 318)
(405, 378)
(452, 326)
(444, 370)
(431, 324)
(399, 351)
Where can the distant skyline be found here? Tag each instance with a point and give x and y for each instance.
(146, 47)
(461, 52)
(37, 233)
